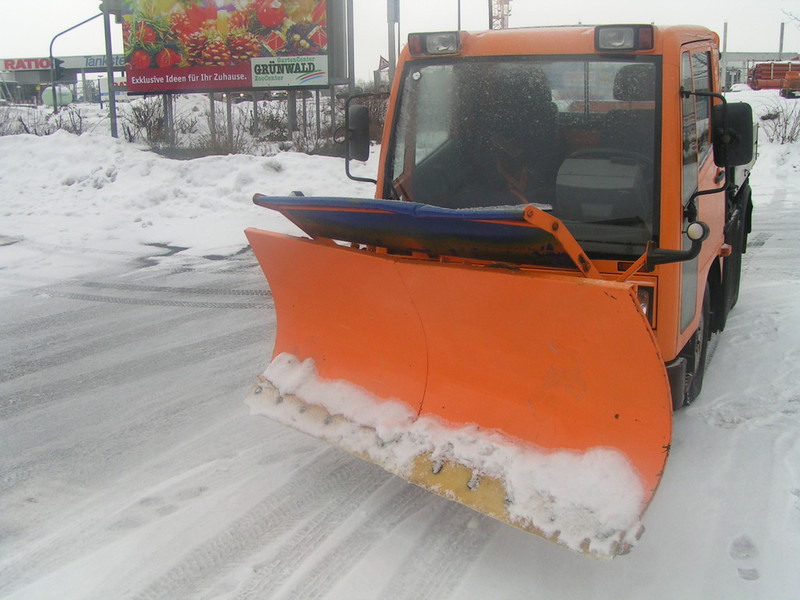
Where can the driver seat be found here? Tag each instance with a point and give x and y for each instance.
(610, 183)
(632, 128)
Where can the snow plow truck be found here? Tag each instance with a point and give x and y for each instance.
(557, 231)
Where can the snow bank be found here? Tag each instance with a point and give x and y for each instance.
(109, 200)
(588, 501)
(92, 189)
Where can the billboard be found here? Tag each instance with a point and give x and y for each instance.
(208, 45)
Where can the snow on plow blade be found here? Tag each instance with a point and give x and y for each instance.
(534, 395)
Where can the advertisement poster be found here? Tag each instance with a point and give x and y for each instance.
(209, 45)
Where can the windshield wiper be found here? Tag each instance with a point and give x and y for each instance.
(622, 221)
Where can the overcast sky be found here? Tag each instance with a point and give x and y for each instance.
(26, 28)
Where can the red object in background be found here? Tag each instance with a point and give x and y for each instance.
(275, 42)
(188, 48)
(198, 14)
(140, 60)
(145, 34)
(197, 78)
(167, 57)
(319, 37)
(271, 14)
(320, 13)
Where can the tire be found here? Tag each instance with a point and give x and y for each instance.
(733, 264)
(696, 352)
(734, 297)
(732, 269)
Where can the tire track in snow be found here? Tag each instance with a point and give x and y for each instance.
(68, 319)
(160, 301)
(114, 374)
(49, 341)
(443, 556)
(330, 475)
(339, 561)
(212, 468)
(46, 354)
(181, 290)
(88, 456)
(272, 575)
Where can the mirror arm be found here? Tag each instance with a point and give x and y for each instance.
(659, 256)
(355, 177)
(690, 211)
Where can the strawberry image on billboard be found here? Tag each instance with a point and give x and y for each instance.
(207, 45)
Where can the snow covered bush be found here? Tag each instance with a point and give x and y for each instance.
(144, 121)
(34, 120)
(781, 123)
(9, 121)
(199, 127)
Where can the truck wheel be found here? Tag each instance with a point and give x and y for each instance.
(696, 352)
(733, 264)
(733, 267)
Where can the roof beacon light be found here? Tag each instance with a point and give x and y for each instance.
(431, 44)
(624, 38)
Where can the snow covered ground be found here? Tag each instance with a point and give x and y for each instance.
(132, 321)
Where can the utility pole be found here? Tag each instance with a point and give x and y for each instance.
(393, 17)
(351, 48)
(723, 59)
(109, 6)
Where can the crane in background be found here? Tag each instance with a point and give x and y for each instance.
(499, 10)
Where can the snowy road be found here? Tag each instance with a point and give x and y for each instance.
(130, 466)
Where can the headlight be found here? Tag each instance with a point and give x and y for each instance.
(644, 294)
(432, 44)
(623, 38)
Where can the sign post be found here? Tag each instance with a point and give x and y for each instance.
(393, 14)
(112, 100)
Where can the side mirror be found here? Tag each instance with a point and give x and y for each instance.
(733, 134)
(358, 132)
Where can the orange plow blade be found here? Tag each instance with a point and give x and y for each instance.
(534, 396)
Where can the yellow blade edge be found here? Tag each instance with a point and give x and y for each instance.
(458, 464)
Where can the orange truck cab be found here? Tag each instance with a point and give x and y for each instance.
(619, 131)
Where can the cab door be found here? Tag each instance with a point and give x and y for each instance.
(700, 174)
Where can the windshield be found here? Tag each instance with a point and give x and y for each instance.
(575, 136)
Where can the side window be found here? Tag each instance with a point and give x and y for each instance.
(696, 110)
(690, 144)
(434, 114)
(701, 76)
(425, 110)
